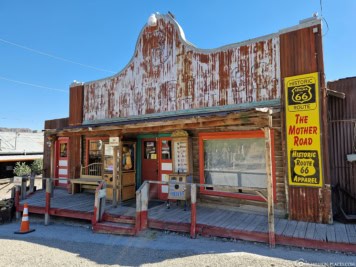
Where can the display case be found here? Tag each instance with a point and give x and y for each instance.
(128, 170)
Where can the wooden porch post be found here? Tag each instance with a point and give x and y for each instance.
(23, 188)
(144, 205)
(17, 201)
(193, 221)
(268, 155)
(138, 211)
(48, 200)
(115, 177)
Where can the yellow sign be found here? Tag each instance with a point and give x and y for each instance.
(303, 130)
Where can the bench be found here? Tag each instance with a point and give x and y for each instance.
(90, 178)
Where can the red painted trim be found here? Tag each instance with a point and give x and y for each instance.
(102, 228)
(301, 242)
(71, 214)
(118, 218)
(93, 221)
(170, 226)
(243, 235)
(163, 196)
(272, 240)
(234, 135)
(138, 222)
(17, 198)
(59, 141)
(193, 220)
(32, 209)
(143, 219)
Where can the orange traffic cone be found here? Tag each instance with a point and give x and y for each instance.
(25, 224)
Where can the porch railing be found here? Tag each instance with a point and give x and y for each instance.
(99, 201)
(142, 199)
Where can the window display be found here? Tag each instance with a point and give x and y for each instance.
(95, 151)
(128, 154)
(236, 162)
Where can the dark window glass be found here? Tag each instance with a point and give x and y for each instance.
(63, 150)
(95, 152)
(150, 150)
(166, 149)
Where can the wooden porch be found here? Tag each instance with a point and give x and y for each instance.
(210, 221)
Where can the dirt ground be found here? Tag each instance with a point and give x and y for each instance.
(6, 185)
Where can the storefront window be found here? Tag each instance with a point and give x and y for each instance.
(236, 162)
(128, 154)
(235, 159)
(95, 152)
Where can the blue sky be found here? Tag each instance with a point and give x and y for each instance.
(103, 34)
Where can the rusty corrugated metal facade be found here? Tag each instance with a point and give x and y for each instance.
(342, 130)
(167, 74)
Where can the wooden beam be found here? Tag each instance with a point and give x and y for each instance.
(268, 156)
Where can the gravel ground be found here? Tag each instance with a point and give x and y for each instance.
(70, 243)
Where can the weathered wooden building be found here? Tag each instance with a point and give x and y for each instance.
(222, 98)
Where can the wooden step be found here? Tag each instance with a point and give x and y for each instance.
(119, 219)
(114, 228)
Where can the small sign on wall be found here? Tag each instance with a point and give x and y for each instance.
(114, 141)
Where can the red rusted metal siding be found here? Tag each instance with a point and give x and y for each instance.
(76, 105)
(301, 53)
(56, 124)
(167, 74)
(342, 122)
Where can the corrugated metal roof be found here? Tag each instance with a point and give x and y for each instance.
(20, 158)
(21, 143)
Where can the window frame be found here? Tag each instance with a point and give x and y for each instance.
(234, 135)
(87, 139)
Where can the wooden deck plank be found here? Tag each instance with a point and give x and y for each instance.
(300, 230)
(245, 223)
(251, 227)
(290, 228)
(340, 233)
(226, 217)
(351, 231)
(206, 219)
(231, 220)
(320, 232)
(280, 226)
(352, 239)
(330, 233)
(263, 225)
(237, 219)
(310, 231)
(220, 215)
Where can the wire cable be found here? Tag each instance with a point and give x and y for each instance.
(55, 57)
(35, 85)
(321, 15)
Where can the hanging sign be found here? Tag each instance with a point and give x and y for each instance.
(114, 141)
(303, 130)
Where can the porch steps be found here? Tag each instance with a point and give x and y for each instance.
(115, 228)
(119, 219)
